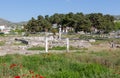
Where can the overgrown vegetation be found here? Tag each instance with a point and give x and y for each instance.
(65, 65)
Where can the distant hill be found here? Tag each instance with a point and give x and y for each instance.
(10, 24)
(22, 23)
(117, 17)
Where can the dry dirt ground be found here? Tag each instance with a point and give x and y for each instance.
(102, 47)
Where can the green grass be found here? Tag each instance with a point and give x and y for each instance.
(36, 48)
(56, 48)
(63, 65)
(42, 48)
(2, 43)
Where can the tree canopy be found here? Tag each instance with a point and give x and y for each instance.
(77, 21)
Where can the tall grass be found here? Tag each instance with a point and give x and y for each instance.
(65, 65)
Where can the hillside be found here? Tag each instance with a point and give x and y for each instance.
(9, 23)
(117, 17)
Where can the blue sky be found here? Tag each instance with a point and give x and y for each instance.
(23, 10)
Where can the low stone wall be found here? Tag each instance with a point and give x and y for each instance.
(80, 44)
(40, 41)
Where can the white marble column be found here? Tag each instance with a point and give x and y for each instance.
(46, 44)
(67, 42)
